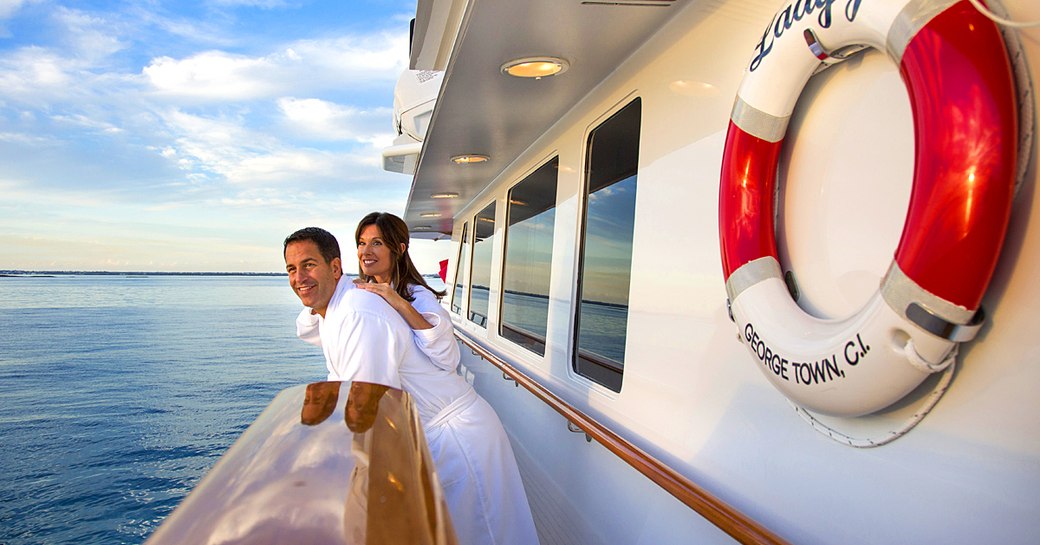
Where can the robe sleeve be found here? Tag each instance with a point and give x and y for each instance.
(368, 350)
(438, 342)
(307, 327)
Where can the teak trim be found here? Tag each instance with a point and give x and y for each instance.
(725, 517)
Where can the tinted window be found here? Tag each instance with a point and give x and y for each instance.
(606, 254)
(531, 215)
(460, 268)
(480, 279)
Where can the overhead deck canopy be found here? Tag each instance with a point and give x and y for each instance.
(482, 111)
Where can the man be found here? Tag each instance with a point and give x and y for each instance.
(364, 339)
(356, 326)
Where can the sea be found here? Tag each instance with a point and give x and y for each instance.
(119, 392)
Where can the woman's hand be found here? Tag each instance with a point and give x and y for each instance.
(388, 293)
(398, 303)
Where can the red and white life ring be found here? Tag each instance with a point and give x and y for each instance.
(956, 70)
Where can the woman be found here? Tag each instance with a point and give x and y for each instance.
(471, 452)
(386, 269)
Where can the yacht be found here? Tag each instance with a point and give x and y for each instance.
(746, 270)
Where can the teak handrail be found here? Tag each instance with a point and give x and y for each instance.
(716, 511)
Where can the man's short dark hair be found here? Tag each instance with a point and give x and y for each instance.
(327, 244)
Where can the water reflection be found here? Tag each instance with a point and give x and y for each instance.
(480, 279)
(460, 270)
(529, 239)
(606, 256)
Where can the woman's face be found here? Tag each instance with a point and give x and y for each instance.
(374, 254)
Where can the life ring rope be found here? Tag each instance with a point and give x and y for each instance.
(872, 442)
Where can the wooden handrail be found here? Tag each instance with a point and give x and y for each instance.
(716, 511)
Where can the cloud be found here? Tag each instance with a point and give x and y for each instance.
(324, 120)
(8, 7)
(34, 74)
(213, 75)
(311, 65)
(167, 120)
(88, 36)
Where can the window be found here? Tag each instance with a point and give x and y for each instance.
(605, 265)
(480, 278)
(531, 215)
(460, 268)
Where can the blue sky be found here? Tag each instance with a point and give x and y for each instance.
(194, 136)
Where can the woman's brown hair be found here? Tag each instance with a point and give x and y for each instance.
(394, 232)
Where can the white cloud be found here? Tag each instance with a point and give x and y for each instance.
(309, 65)
(265, 4)
(214, 75)
(324, 120)
(88, 37)
(33, 72)
(230, 151)
(83, 121)
(9, 7)
(151, 120)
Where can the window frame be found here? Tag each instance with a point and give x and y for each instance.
(473, 261)
(515, 333)
(458, 281)
(612, 374)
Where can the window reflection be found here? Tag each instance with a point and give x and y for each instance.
(460, 267)
(529, 239)
(480, 278)
(606, 256)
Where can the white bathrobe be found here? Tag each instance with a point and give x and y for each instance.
(364, 339)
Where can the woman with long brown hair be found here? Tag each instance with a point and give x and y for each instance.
(386, 269)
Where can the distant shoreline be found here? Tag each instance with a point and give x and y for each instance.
(50, 274)
(44, 274)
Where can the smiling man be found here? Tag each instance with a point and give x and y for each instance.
(312, 259)
(356, 326)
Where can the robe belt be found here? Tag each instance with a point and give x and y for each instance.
(454, 408)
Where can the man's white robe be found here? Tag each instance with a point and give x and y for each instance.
(365, 339)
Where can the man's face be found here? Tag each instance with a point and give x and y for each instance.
(313, 280)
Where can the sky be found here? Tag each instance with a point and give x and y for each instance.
(193, 136)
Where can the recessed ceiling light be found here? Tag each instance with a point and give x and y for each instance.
(430, 215)
(469, 159)
(421, 228)
(444, 196)
(535, 67)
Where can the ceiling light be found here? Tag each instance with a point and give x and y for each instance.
(444, 196)
(421, 228)
(535, 67)
(469, 159)
(430, 215)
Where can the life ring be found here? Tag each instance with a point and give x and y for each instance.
(956, 70)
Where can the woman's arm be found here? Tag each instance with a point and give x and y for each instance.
(414, 318)
(431, 325)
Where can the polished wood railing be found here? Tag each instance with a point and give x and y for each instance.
(716, 511)
(331, 463)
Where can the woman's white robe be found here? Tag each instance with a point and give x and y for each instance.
(364, 339)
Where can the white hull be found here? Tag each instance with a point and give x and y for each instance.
(692, 396)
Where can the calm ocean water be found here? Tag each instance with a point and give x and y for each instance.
(118, 393)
